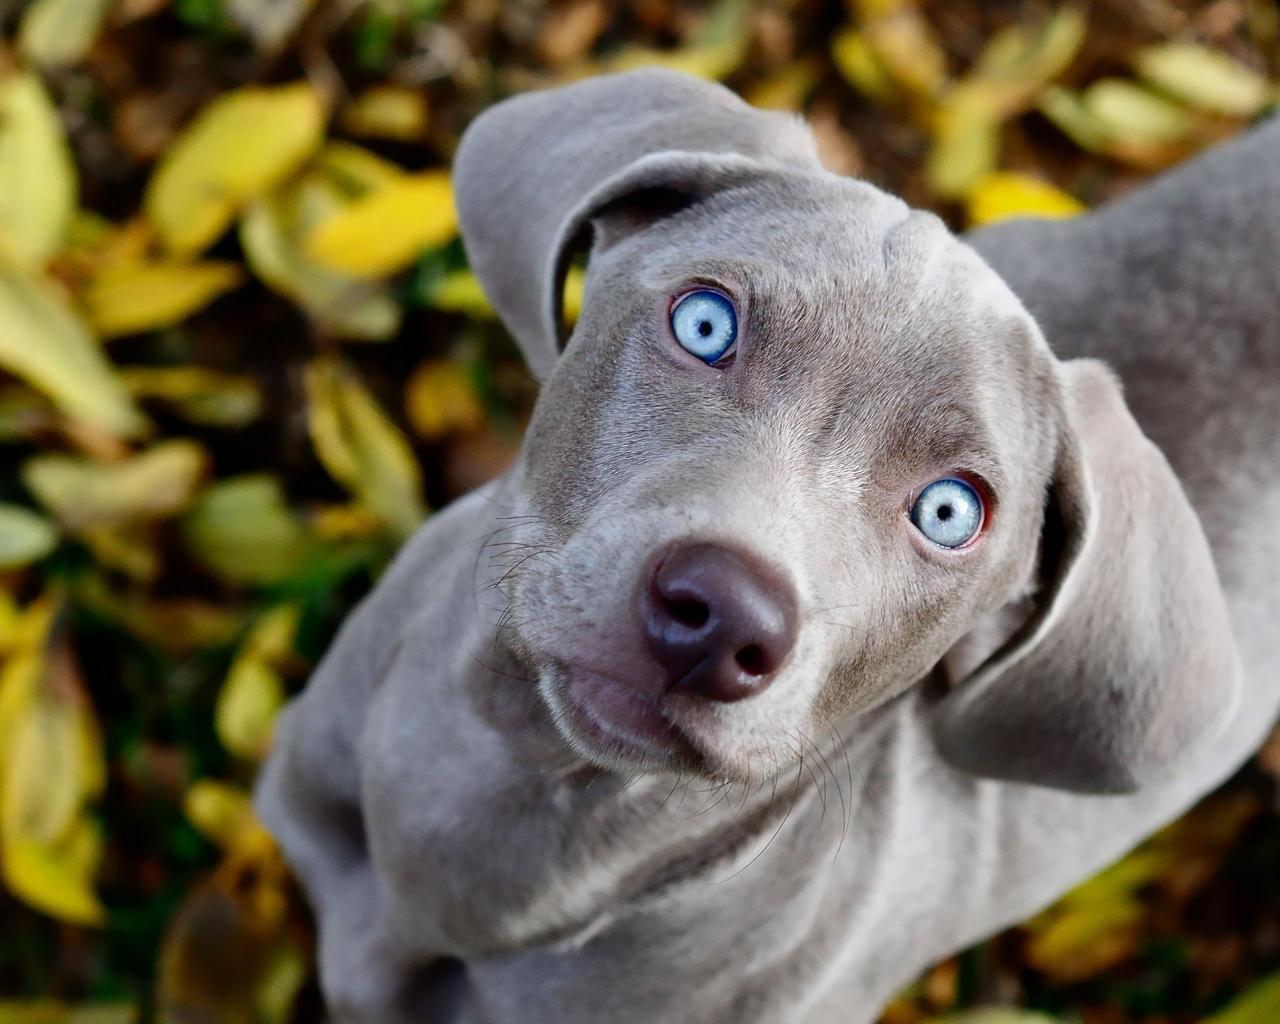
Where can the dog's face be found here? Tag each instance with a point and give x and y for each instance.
(781, 476)
(802, 441)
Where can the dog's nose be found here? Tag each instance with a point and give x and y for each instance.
(717, 623)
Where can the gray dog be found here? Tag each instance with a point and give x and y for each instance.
(829, 621)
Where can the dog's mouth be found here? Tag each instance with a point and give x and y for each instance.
(609, 722)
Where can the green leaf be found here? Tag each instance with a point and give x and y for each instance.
(58, 33)
(243, 530)
(1259, 1005)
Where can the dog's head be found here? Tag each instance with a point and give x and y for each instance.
(800, 445)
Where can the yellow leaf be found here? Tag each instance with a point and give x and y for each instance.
(131, 298)
(240, 146)
(714, 62)
(343, 522)
(271, 639)
(43, 773)
(247, 706)
(208, 397)
(179, 626)
(387, 112)
(157, 483)
(1134, 115)
(243, 530)
(25, 537)
(128, 547)
(787, 89)
(1081, 943)
(361, 448)
(42, 341)
(966, 143)
(285, 974)
(52, 882)
(57, 33)
(1204, 78)
(47, 1011)
(386, 231)
(355, 171)
(1023, 64)
(855, 58)
(37, 176)
(441, 398)
(341, 306)
(1008, 194)
(908, 50)
(1258, 1005)
(460, 292)
(221, 812)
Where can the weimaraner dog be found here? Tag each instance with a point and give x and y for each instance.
(831, 618)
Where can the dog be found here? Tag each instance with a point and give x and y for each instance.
(831, 618)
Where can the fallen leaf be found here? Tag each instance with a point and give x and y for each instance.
(1258, 1005)
(42, 341)
(240, 146)
(25, 536)
(221, 812)
(355, 171)
(157, 483)
(1074, 119)
(198, 394)
(387, 230)
(714, 52)
(361, 448)
(908, 50)
(966, 140)
(243, 530)
(271, 23)
(58, 33)
(1021, 63)
(789, 88)
(994, 1015)
(394, 112)
(459, 291)
(1134, 115)
(37, 176)
(569, 33)
(1005, 195)
(136, 297)
(130, 548)
(248, 703)
(440, 398)
(1204, 78)
(341, 306)
(855, 58)
(48, 1011)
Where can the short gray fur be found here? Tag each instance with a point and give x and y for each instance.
(845, 828)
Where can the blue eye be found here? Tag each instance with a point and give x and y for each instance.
(705, 324)
(948, 512)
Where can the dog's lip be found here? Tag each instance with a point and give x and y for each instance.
(611, 716)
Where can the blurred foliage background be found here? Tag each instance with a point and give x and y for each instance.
(242, 357)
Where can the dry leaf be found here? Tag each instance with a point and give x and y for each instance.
(459, 291)
(440, 398)
(568, 34)
(42, 341)
(270, 22)
(37, 177)
(714, 52)
(25, 537)
(1134, 115)
(47, 1011)
(394, 112)
(966, 140)
(1008, 194)
(388, 229)
(361, 448)
(1259, 1005)
(1204, 78)
(221, 812)
(157, 483)
(243, 530)
(134, 297)
(239, 147)
(908, 51)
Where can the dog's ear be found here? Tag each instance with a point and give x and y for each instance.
(531, 172)
(1127, 667)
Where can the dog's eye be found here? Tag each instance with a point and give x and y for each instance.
(949, 512)
(705, 324)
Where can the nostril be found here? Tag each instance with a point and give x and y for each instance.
(752, 660)
(689, 612)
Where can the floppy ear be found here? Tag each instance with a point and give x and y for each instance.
(1128, 667)
(531, 172)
